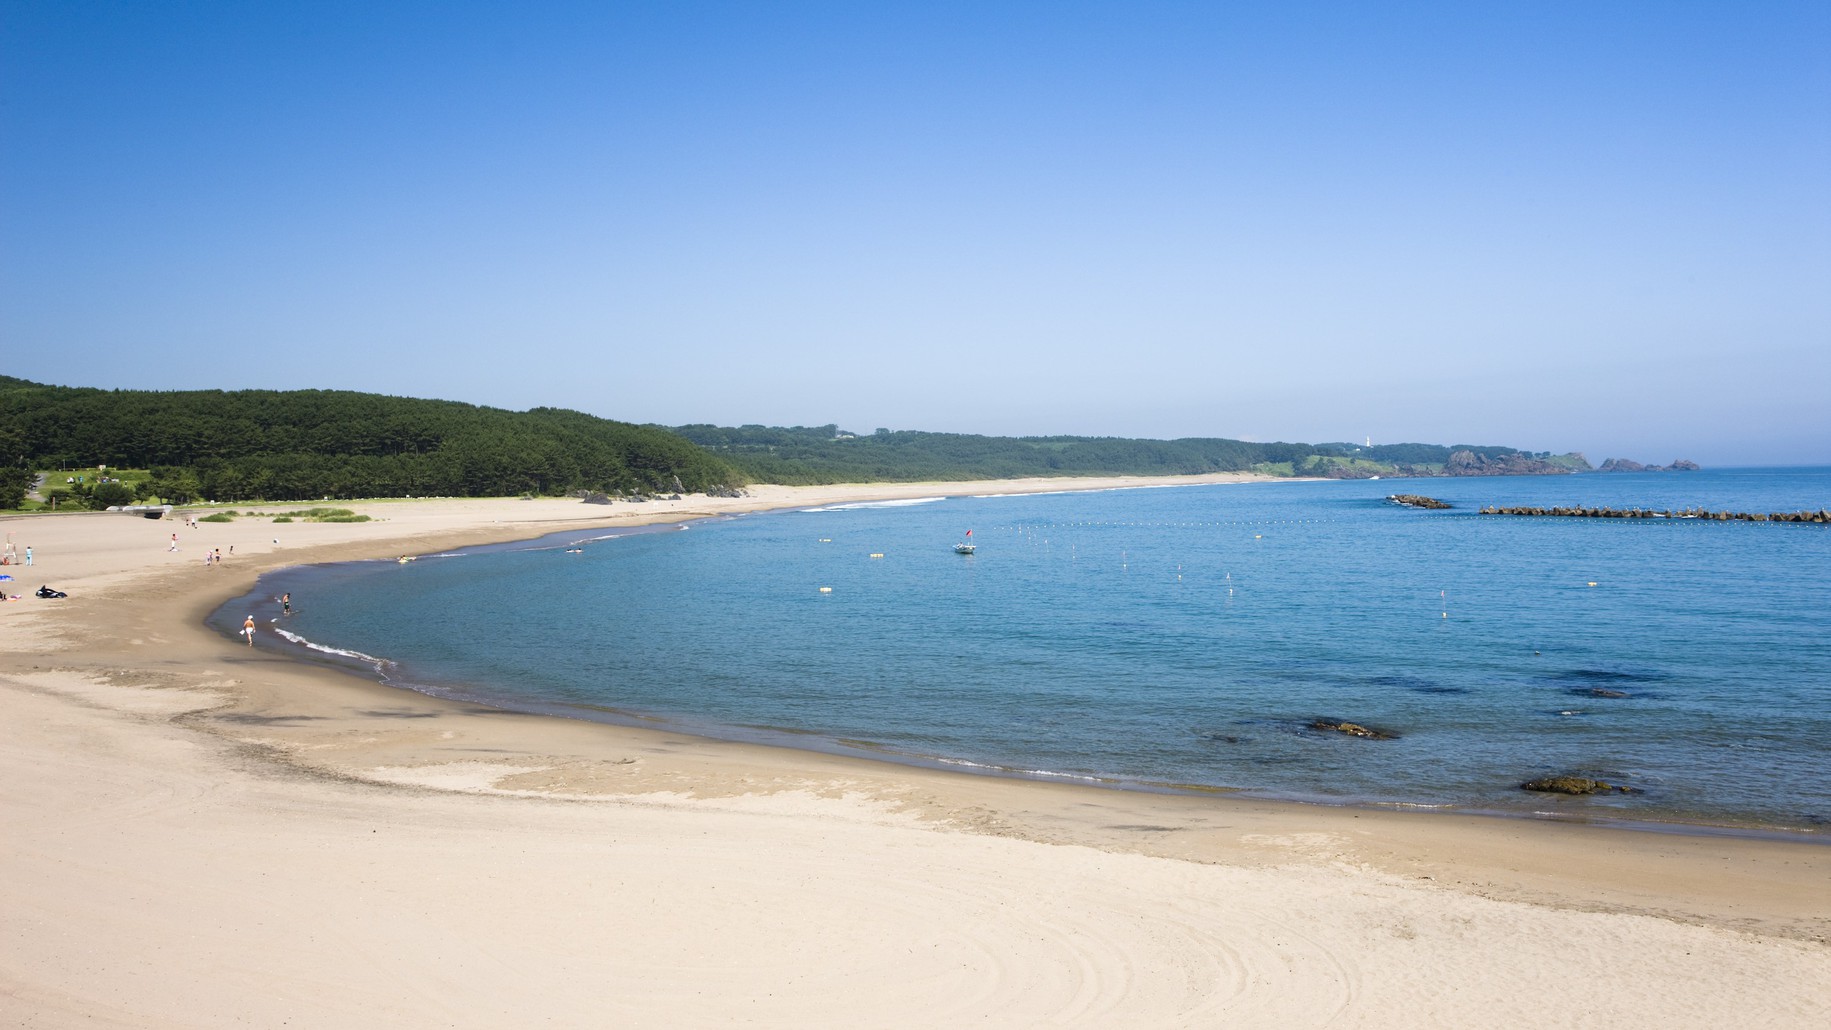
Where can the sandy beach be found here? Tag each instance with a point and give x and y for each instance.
(200, 834)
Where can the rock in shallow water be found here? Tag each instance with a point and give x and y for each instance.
(1352, 729)
(1573, 785)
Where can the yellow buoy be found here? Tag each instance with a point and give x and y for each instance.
(826, 590)
(877, 554)
(1592, 582)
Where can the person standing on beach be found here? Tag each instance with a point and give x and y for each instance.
(28, 554)
(174, 546)
(248, 630)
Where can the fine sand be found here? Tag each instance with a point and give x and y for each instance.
(196, 833)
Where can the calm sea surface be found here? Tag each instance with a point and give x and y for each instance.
(1180, 636)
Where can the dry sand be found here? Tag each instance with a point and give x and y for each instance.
(194, 833)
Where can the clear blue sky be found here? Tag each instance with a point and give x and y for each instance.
(1598, 226)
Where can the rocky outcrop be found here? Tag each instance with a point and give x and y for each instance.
(1352, 729)
(1629, 465)
(1469, 463)
(1573, 785)
(1417, 501)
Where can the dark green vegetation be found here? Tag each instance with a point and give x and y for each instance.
(185, 446)
(299, 515)
(304, 444)
(826, 454)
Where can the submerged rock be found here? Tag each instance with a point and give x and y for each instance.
(1352, 729)
(1598, 692)
(1573, 785)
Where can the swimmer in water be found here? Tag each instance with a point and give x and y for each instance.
(286, 603)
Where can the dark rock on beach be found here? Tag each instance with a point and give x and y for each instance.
(1573, 785)
(1352, 729)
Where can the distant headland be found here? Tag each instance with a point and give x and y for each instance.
(1625, 465)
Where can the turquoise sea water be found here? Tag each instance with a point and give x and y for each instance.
(1178, 636)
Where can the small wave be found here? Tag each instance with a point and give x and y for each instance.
(378, 663)
(1049, 773)
(1093, 490)
(902, 502)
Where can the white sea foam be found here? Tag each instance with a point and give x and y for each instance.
(1050, 773)
(902, 502)
(378, 663)
(1096, 490)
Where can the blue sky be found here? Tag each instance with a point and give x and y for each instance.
(1582, 226)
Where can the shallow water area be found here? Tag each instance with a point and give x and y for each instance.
(1184, 637)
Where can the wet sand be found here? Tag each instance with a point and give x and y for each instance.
(199, 833)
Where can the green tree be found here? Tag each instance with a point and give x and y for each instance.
(173, 485)
(14, 483)
(110, 494)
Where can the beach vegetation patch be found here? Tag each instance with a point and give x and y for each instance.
(221, 516)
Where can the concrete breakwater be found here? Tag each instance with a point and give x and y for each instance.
(1683, 513)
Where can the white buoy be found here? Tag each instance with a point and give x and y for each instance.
(826, 590)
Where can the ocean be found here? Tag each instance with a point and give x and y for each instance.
(1176, 638)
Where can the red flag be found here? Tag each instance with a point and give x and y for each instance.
(969, 532)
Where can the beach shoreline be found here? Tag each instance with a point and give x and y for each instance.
(127, 664)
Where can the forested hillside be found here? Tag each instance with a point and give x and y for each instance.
(310, 444)
(304, 444)
(827, 454)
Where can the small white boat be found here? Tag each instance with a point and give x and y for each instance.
(964, 548)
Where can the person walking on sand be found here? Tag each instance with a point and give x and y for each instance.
(174, 546)
(28, 554)
(248, 630)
